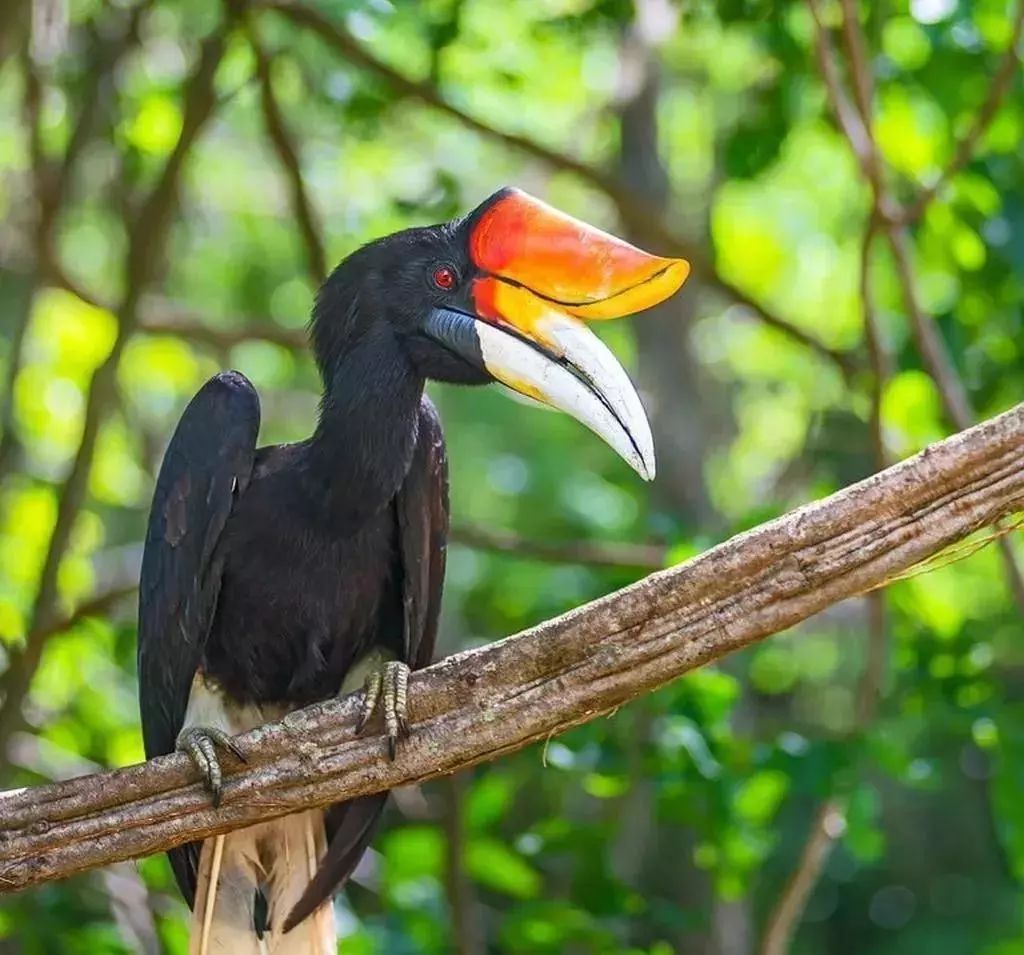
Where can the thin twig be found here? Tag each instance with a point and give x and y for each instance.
(463, 904)
(94, 606)
(876, 656)
(879, 359)
(934, 354)
(860, 68)
(828, 825)
(854, 127)
(933, 351)
(288, 157)
(869, 687)
(1002, 81)
(592, 553)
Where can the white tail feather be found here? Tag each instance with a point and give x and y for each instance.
(279, 858)
(206, 890)
(222, 922)
(300, 845)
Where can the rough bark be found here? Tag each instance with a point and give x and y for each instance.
(478, 705)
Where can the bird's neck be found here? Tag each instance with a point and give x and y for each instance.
(363, 445)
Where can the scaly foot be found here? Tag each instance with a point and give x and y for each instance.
(200, 743)
(388, 690)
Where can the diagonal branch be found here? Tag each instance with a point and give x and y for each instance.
(828, 825)
(934, 353)
(590, 552)
(486, 702)
(854, 121)
(1002, 81)
(94, 606)
(860, 68)
(288, 157)
(638, 215)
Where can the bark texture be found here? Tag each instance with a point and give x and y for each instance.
(478, 705)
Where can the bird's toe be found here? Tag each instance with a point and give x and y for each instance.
(200, 744)
(387, 690)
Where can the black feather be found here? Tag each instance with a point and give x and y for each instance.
(273, 571)
(207, 465)
(422, 511)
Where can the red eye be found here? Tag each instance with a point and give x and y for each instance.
(444, 278)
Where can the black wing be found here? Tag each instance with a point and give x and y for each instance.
(422, 505)
(208, 463)
(422, 512)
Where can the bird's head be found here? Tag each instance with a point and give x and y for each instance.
(504, 294)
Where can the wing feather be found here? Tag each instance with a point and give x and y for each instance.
(422, 506)
(207, 465)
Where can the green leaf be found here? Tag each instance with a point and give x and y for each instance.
(413, 852)
(757, 799)
(488, 800)
(498, 867)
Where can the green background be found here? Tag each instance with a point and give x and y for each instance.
(674, 825)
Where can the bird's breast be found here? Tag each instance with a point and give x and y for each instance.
(298, 605)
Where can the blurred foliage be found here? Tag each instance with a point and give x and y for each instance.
(673, 826)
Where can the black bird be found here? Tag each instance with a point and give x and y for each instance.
(275, 577)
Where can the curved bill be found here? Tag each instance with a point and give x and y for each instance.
(539, 274)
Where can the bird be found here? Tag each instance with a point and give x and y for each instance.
(275, 577)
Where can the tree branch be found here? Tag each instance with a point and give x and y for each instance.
(932, 348)
(288, 157)
(860, 68)
(591, 553)
(166, 318)
(869, 687)
(486, 702)
(636, 213)
(854, 124)
(1002, 80)
(94, 606)
(463, 906)
(828, 825)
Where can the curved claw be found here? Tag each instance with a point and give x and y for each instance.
(199, 744)
(387, 689)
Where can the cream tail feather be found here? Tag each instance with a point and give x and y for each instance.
(278, 857)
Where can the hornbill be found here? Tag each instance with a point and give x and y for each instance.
(278, 576)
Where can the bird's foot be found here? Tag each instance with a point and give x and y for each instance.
(387, 689)
(200, 744)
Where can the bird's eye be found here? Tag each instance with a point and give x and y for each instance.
(444, 277)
